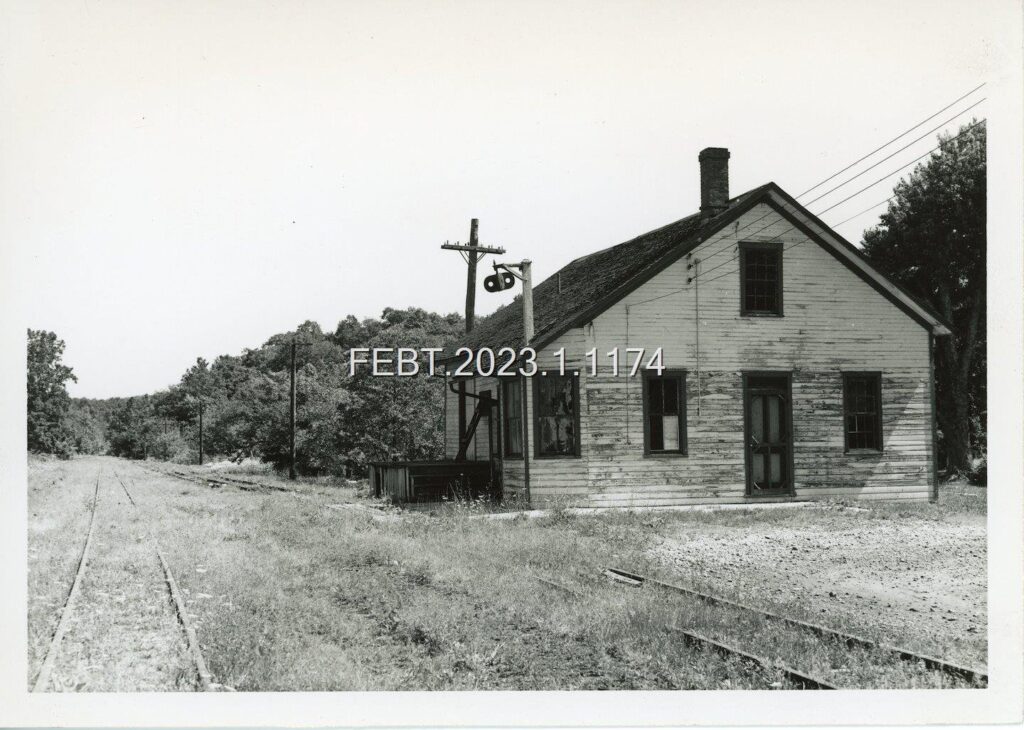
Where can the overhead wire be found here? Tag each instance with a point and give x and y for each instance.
(792, 227)
(732, 244)
(894, 139)
(863, 211)
(884, 177)
(715, 252)
(889, 157)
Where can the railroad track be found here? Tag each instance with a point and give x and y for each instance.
(46, 670)
(202, 672)
(221, 480)
(967, 674)
(44, 675)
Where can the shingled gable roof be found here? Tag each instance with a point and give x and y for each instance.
(592, 283)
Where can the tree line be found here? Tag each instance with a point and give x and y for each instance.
(343, 421)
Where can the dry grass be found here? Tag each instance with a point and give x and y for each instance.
(123, 633)
(60, 503)
(290, 593)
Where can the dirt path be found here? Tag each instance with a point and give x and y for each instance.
(123, 633)
(922, 581)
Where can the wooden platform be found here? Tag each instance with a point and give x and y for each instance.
(430, 481)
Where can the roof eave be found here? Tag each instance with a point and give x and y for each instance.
(919, 311)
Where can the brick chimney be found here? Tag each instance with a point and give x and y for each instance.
(714, 180)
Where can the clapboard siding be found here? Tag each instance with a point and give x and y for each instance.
(833, 322)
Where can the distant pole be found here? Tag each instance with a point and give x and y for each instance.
(200, 430)
(527, 302)
(471, 275)
(291, 463)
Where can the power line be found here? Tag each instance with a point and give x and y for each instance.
(872, 167)
(884, 177)
(729, 243)
(900, 136)
(785, 248)
(715, 252)
(792, 227)
(834, 225)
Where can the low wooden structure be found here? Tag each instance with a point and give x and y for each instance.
(431, 481)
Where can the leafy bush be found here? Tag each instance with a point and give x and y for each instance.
(978, 474)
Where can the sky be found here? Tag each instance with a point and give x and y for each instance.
(184, 179)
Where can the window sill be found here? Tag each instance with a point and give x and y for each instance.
(665, 454)
(776, 315)
(863, 452)
(556, 456)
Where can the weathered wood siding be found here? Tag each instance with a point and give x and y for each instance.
(833, 322)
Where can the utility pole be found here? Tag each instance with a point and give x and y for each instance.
(524, 268)
(200, 430)
(471, 262)
(472, 253)
(291, 419)
(523, 272)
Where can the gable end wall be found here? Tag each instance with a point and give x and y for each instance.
(833, 322)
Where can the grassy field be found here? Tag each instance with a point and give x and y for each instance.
(315, 589)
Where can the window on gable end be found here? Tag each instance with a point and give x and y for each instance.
(761, 278)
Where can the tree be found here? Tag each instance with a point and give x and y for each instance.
(48, 400)
(932, 240)
(86, 427)
(130, 429)
(341, 422)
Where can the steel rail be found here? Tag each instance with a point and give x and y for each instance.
(221, 480)
(45, 671)
(557, 586)
(203, 672)
(955, 670)
(803, 681)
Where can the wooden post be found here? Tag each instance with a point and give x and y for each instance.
(472, 252)
(527, 303)
(527, 392)
(200, 431)
(471, 275)
(291, 417)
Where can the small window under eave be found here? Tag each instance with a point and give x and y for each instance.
(760, 279)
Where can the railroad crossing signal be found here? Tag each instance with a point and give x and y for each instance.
(500, 280)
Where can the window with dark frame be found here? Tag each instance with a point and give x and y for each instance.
(862, 410)
(760, 278)
(512, 417)
(556, 415)
(665, 413)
